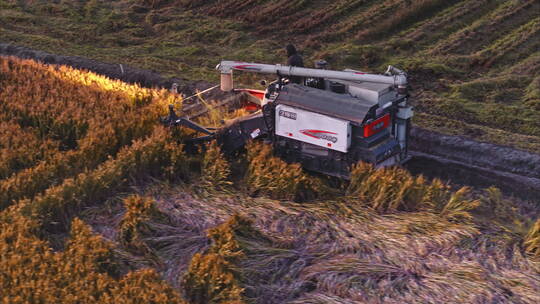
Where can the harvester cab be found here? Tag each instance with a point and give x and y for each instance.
(329, 122)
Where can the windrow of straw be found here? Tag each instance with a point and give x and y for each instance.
(301, 252)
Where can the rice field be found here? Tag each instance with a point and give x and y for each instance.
(101, 204)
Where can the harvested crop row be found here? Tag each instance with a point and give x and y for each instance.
(466, 41)
(351, 26)
(513, 43)
(449, 20)
(327, 15)
(407, 15)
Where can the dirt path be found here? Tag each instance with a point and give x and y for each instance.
(473, 163)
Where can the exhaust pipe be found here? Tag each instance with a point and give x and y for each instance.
(227, 84)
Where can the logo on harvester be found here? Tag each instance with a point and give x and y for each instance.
(324, 135)
(287, 114)
(248, 67)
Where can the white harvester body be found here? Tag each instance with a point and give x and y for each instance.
(326, 120)
(313, 128)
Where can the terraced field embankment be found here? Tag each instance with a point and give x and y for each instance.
(468, 162)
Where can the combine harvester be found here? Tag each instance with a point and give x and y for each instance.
(327, 123)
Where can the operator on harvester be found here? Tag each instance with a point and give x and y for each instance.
(294, 59)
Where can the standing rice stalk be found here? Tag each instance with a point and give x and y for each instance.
(458, 207)
(270, 175)
(532, 241)
(392, 189)
(134, 226)
(211, 277)
(215, 169)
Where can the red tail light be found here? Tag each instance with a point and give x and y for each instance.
(377, 125)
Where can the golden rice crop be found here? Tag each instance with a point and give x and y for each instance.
(22, 148)
(134, 224)
(85, 272)
(211, 277)
(215, 170)
(390, 189)
(90, 116)
(96, 136)
(151, 157)
(270, 175)
(395, 189)
(458, 207)
(105, 143)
